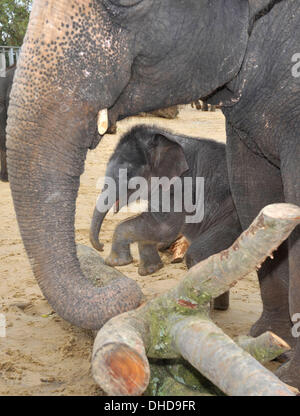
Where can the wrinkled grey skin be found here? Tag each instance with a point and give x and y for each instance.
(80, 56)
(149, 152)
(5, 88)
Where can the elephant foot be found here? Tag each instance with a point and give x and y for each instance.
(4, 177)
(221, 303)
(289, 373)
(285, 357)
(115, 259)
(278, 322)
(145, 270)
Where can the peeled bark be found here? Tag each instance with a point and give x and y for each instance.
(223, 362)
(178, 249)
(177, 323)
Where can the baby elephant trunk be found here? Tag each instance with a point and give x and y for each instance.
(99, 214)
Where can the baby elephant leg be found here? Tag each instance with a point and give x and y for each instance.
(148, 229)
(120, 254)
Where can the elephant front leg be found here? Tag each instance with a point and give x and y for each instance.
(120, 254)
(3, 174)
(290, 169)
(147, 229)
(254, 184)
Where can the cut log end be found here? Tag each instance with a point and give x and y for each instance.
(265, 347)
(277, 341)
(120, 370)
(285, 211)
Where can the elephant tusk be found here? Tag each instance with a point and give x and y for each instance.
(102, 121)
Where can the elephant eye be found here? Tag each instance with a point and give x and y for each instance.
(126, 8)
(121, 4)
(126, 3)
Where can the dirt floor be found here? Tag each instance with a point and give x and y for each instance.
(44, 355)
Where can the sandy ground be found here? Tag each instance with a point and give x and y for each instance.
(44, 355)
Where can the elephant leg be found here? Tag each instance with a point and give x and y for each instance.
(3, 175)
(290, 168)
(120, 254)
(148, 229)
(254, 184)
(150, 260)
(214, 240)
(222, 302)
(204, 106)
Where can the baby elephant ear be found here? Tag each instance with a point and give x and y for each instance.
(168, 158)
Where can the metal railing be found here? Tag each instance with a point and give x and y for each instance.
(8, 56)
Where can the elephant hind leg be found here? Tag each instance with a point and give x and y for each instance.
(254, 184)
(290, 171)
(214, 240)
(150, 260)
(3, 174)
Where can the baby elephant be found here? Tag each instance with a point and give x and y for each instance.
(150, 152)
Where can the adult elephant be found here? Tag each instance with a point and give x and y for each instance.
(128, 56)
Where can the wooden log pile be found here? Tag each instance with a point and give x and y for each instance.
(177, 325)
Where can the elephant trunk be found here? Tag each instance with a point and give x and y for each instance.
(97, 221)
(46, 154)
(108, 198)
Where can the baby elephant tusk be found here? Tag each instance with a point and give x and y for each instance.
(102, 121)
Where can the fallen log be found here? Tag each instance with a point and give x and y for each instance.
(179, 378)
(264, 348)
(177, 323)
(222, 361)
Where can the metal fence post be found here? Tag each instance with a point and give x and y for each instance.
(2, 65)
(8, 56)
(11, 60)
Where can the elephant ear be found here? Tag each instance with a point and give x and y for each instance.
(167, 158)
